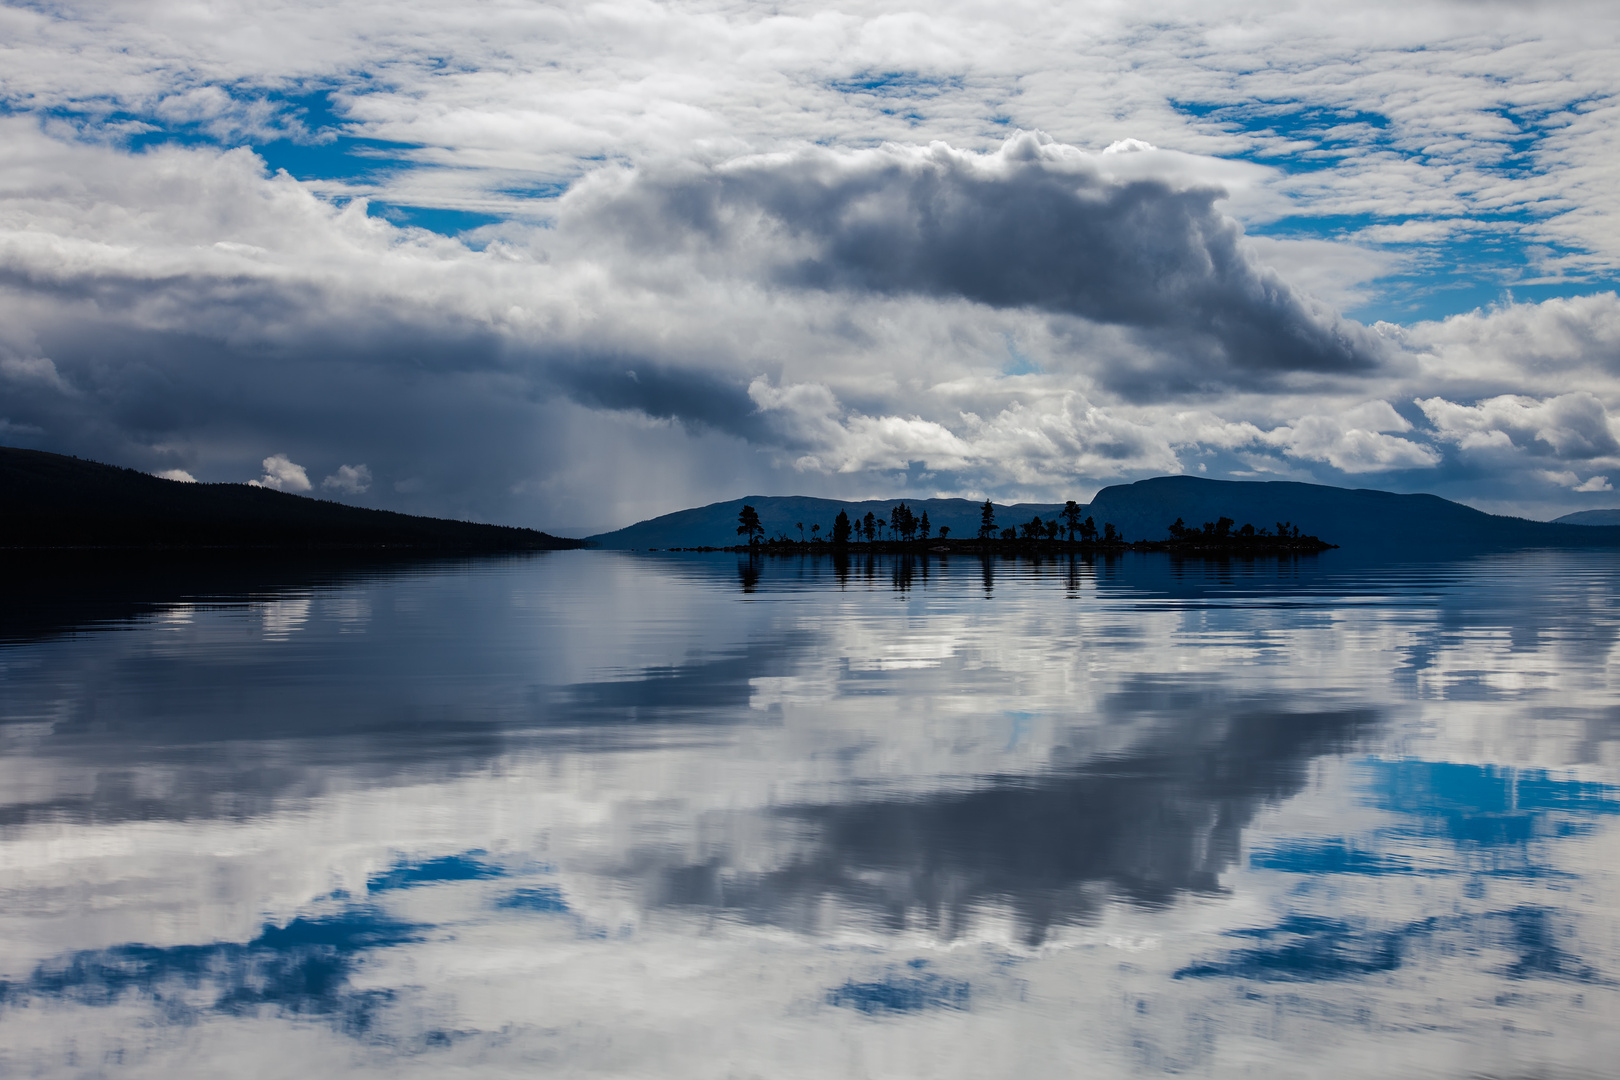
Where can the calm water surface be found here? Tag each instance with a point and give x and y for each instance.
(591, 813)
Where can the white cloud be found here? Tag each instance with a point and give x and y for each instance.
(1566, 478)
(282, 474)
(176, 474)
(1535, 348)
(1575, 426)
(349, 480)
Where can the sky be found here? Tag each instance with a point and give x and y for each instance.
(573, 265)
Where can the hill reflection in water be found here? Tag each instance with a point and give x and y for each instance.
(613, 813)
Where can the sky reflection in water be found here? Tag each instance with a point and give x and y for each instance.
(597, 813)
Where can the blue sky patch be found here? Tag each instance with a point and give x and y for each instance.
(302, 968)
(902, 991)
(1308, 948)
(409, 875)
(1333, 856)
(547, 899)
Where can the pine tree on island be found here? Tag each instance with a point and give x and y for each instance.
(1071, 518)
(748, 525)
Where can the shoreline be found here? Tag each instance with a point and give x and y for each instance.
(1236, 546)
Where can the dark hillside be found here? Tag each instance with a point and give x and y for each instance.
(53, 501)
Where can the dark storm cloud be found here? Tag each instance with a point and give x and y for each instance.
(447, 415)
(1025, 228)
(697, 398)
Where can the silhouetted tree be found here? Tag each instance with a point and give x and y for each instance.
(748, 525)
(944, 531)
(1247, 532)
(841, 529)
(1052, 529)
(901, 521)
(1034, 528)
(1071, 518)
(922, 525)
(987, 521)
(815, 533)
(870, 524)
(1179, 530)
(1088, 529)
(1110, 534)
(1009, 534)
(801, 532)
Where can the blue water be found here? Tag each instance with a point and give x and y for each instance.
(607, 814)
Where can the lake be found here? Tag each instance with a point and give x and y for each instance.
(609, 814)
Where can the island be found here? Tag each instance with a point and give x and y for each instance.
(1065, 531)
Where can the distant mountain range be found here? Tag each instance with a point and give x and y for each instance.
(52, 501)
(1361, 519)
(1590, 517)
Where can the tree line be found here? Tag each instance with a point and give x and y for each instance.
(905, 526)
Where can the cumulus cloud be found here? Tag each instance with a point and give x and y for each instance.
(1566, 478)
(1033, 225)
(1574, 426)
(348, 480)
(282, 475)
(179, 475)
(1355, 441)
(1053, 437)
(1529, 347)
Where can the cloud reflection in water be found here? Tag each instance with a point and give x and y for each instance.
(599, 810)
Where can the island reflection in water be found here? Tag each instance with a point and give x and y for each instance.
(595, 813)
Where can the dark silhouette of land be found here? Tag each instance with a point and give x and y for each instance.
(53, 501)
